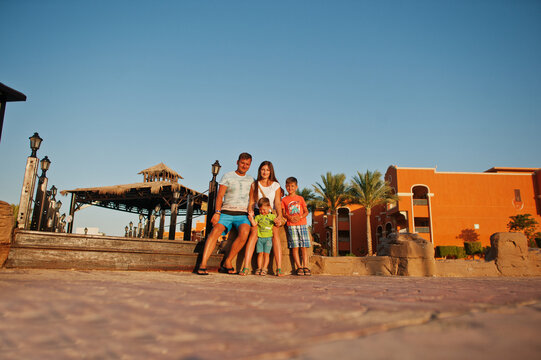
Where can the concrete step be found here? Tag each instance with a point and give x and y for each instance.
(40, 250)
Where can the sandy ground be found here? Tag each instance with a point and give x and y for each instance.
(55, 314)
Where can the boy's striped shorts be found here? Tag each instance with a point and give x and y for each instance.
(298, 236)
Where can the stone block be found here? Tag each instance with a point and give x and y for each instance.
(410, 255)
(465, 268)
(510, 252)
(362, 266)
(7, 223)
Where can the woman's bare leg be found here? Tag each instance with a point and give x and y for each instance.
(277, 247)
(250, 247)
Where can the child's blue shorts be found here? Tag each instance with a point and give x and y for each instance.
(233, 220)
(264, 245)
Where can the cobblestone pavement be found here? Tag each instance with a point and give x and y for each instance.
(54, 314)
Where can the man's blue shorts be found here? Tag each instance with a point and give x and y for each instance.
(233, 220)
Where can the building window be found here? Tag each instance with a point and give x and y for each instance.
(420, 195)
(518, 198)
(379, 233)
(422, 225)
(388, 229)
(343, 214)
(343, 235)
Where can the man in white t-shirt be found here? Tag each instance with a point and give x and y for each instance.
(231, 210)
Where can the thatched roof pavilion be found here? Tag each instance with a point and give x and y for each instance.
(160, 172)
(160, 182)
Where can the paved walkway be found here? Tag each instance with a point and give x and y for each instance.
(53, 314)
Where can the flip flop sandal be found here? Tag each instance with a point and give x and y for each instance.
(244, 272)
(300, 272)
(225, 270)
(202, 271)
(263, 273)
(258, 272)
(279, 272)
(307, 272)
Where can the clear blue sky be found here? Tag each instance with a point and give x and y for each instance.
(114, 87)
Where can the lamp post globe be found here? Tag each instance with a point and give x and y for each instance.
(45, 164)
(53, 192)
(35, 143)
(216, 168)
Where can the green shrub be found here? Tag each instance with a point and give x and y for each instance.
(450, 252)
(473, 247)
(351, 254)
(538, 242)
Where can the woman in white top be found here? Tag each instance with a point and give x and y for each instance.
(267, 186)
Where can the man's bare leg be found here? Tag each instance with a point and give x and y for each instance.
(238, 244)
(210, 244)
(277, 247)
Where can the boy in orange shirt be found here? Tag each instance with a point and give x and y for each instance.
(295, 211)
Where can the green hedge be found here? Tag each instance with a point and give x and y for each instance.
(450, 252)
(473, 247)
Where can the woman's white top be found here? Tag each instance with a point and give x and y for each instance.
(266, 191)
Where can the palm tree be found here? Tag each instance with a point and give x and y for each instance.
(309, 198)
(333, 194)
(370, 190)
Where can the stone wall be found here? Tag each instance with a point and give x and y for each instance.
(410, 255)
(7, 223)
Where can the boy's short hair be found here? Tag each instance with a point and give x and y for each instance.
(263, 202)
(245, 156)
(291, 179)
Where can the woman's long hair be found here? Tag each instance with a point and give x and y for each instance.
(272, 176)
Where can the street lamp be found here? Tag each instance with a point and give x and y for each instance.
(35, 143)
(29, 183)
(41, 205)
(45, 164)
(140, 226)
(53, 192)
(215, 169)
(131, 228)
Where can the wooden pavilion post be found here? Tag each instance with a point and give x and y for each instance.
(174, 211)
(162, 224)
(189, 215)
(72, 212)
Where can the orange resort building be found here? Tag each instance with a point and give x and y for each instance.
(445, 208)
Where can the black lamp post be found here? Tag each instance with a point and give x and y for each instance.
(29, 183)
(131, 228)
(35, 143)
(55, 206)
(213, 187)
(41, 196)
(53, 192)
(174, 210)
(61, 223)
(152, 221)
(140, 226)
